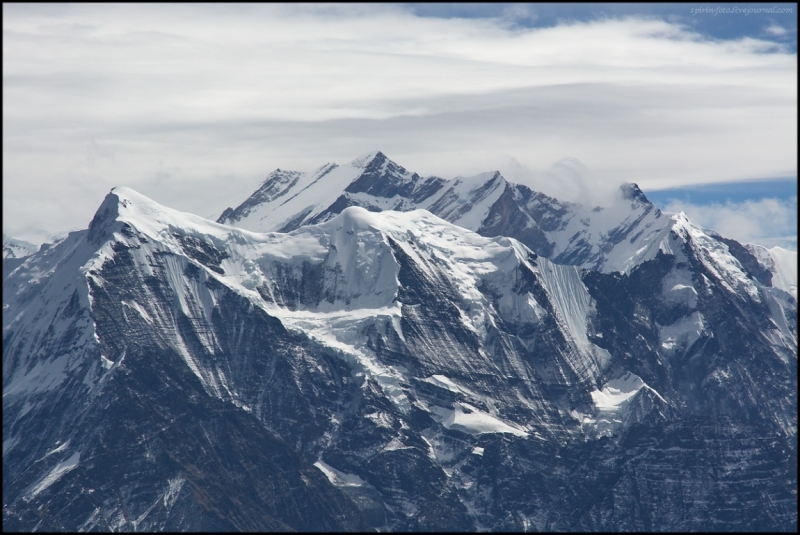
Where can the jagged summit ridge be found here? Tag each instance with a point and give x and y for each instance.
(591, 237)
(287, 200)
(610, 238)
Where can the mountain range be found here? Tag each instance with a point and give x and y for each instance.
(362, 348)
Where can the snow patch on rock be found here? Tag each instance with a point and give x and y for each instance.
(469, 419)
(337, 477)
(55, 474)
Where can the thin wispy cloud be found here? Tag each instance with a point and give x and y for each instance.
(194, 104)
(776, 30)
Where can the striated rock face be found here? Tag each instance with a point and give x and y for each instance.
(113, 389)
(708, 474)
(394, 371)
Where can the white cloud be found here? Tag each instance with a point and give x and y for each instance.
(518, 14)
(567, 179)
(767, 222)
(214, 97)
(776, 30)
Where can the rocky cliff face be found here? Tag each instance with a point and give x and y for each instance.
(393, 371)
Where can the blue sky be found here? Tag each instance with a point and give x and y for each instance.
(192, 105)
(734, 192)
(755, 211)
(773, 22)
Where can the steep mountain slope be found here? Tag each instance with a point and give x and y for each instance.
(391, 370)
(105, 426)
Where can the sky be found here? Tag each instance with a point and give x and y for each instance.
(194, 104)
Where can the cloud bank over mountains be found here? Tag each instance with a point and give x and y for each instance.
(193, 105)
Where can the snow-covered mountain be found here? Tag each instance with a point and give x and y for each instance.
(394, 370)
(14, 248)
(610, 238)
(607, 238)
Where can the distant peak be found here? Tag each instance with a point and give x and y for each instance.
(121, 201)
(631, 191)
(366, 159)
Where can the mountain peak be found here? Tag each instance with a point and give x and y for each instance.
(127, 195)
(125, 206)
(631, 191)
(366, 159)
(122, 204)
(382, 177)
(105, 215)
